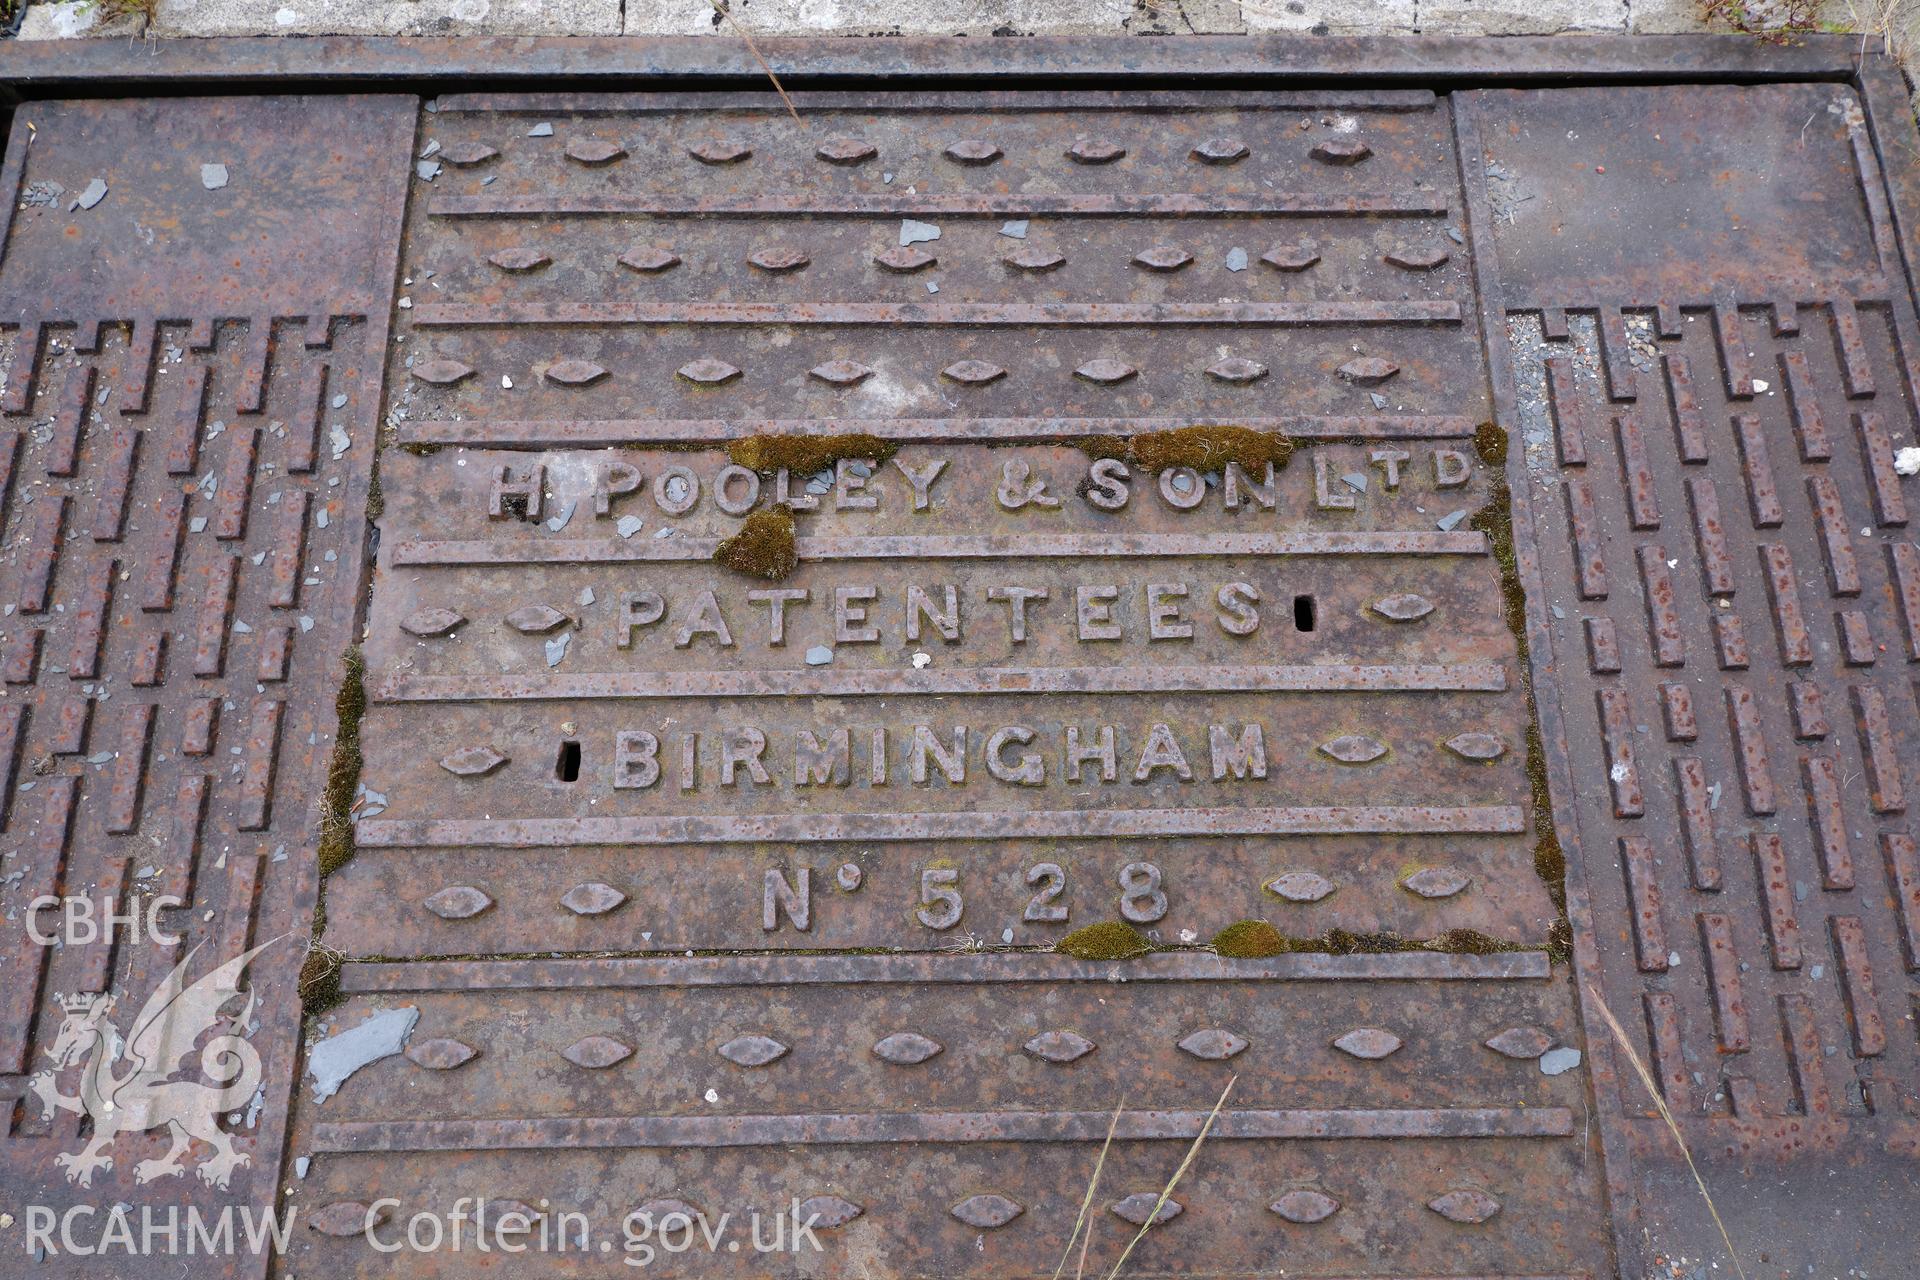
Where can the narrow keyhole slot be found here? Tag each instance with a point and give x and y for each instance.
(1303, 613)
(567, 766)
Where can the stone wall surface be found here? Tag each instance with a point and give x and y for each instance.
(60, 19)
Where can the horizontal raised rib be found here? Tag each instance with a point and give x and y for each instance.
(607, 1132)
(1052, 824)
(817, 683)
(618, 973)
(608, 433)
(1392, 542)
(456, 315)
(1309, 204)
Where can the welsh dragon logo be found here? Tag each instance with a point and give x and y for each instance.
(127, 1085)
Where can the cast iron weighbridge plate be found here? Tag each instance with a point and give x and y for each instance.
(712, 892)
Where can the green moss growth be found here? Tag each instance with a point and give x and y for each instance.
(343, 768)
(1209, 449)
(805, 455)
(320, 971)
(1250, 940)
(1108, 940)
(319, 981)
(1491, 441)
(764, 547)
(1470, 942)
(1549, 860)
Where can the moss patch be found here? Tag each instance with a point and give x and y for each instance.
(1549, 860)
(1249, 940)
(805, 455)
(343, 768)
(320, 971)
(319, 980)
(764, 547)
(1202, 448)
(1210, 448)
(1491, 442)
(1108, 940)
(1471, 942)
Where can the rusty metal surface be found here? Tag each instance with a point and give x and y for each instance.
(1708, 359)
(192, 381)
(663, 945)
(35, 69)
(826, 972)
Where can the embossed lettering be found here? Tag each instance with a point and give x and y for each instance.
(922, 478)
(636, 762)
(1107, 484)
(1016, 599)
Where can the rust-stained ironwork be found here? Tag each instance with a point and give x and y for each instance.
(1016, 685)
(1164, 574)
(194, 306)
(1707, 366)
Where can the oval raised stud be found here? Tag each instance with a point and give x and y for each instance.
(499, 1210)
(1353, 748)
(441, 1054)
(430, 623)
(659, 1210)
(1034, 258)
(458, 902)
(1402, 607)
(473, 762)
(575, 373)
(1105, 372)
(1095, 151)
(974, 372)
(1435, 883)
(442, 373)
(845, 150)
(720, 151)
(1236, 370)
(1370, 1043)
(519, 260)
(973, 151)
(596, 1053)
(1417, 258)
(1368, 371)
(904, 258)
(1301, 886)
(753, 1051)
(906, 1049)
(1059, 1046)
(1341, 151)
(464, 155)
(1305, 1206)
(1163, 257)
(841, 373)
(536, 619)
(1215, 1044)
(649, 258)
(594, 151)
(985, 1212)
(1521, 1043)
(1290, 257)
(346, 1218)
(779, 260)
(1465, 1205)
(827, 1212)
(1476, 746)
(708, 372)
(1144, 1206)
(592, 899)
(1220, 151)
